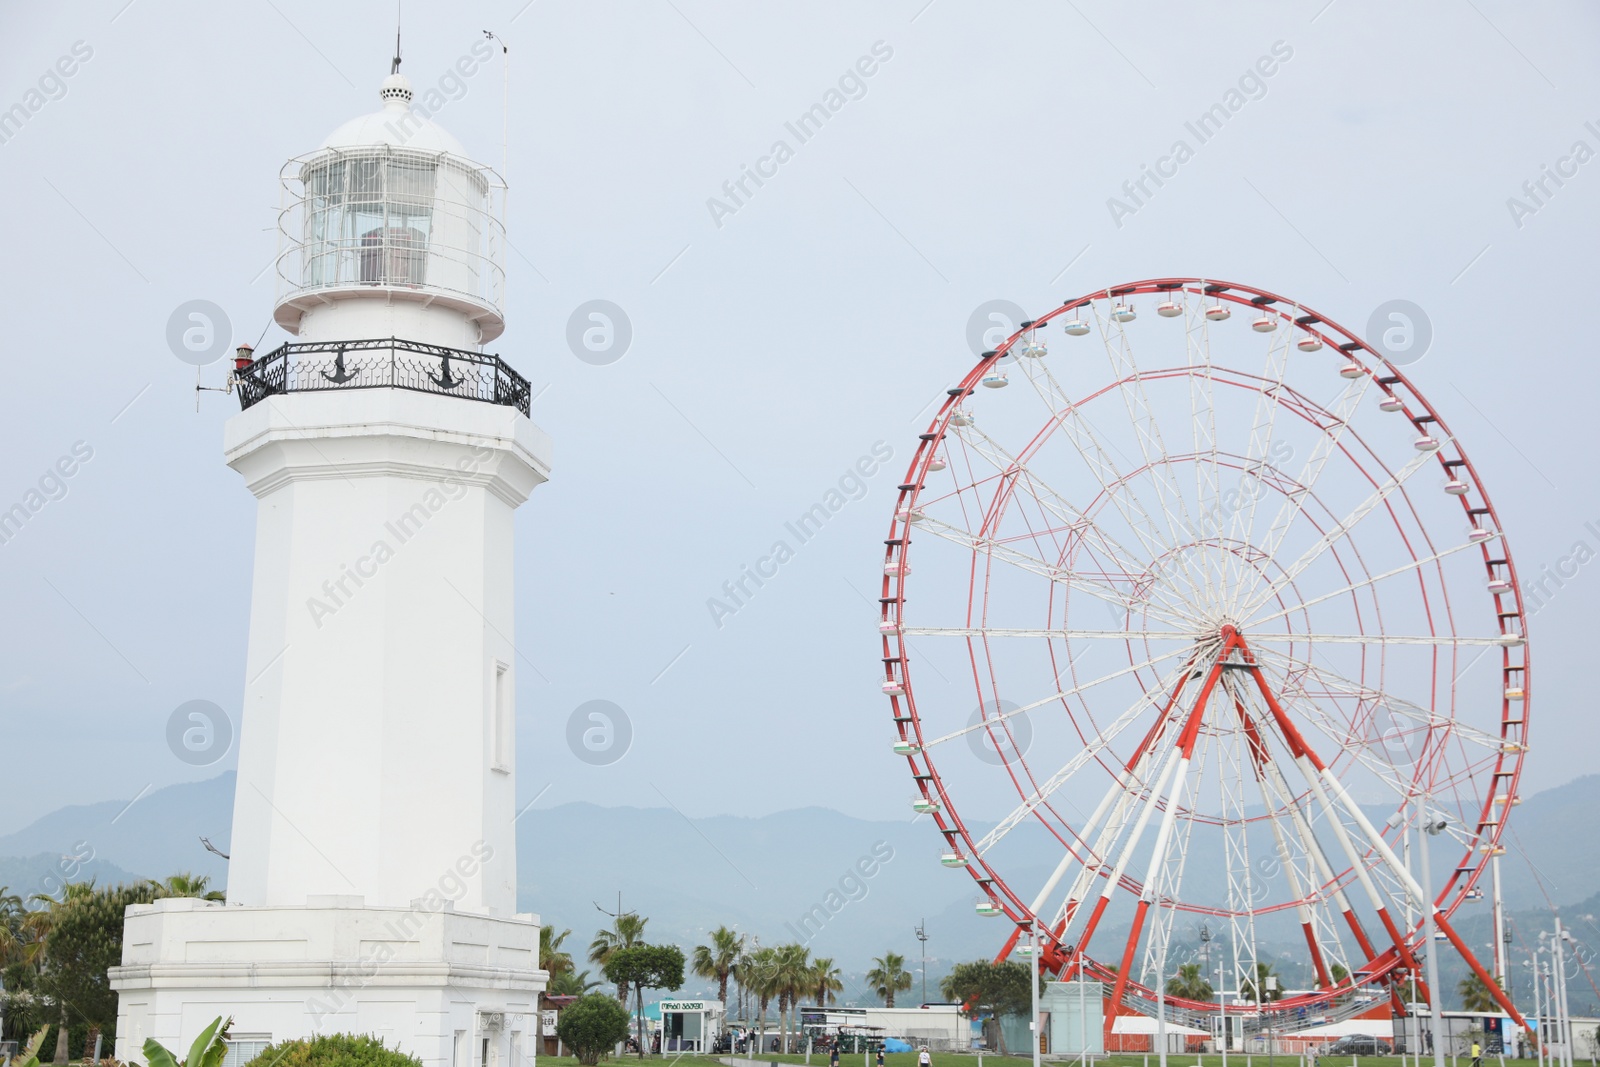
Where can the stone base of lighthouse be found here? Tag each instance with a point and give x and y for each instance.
(450, 988)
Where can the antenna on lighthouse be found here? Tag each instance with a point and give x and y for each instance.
(505, 101)
(394, 68)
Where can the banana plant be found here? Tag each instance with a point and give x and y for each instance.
(208, 1049)
(30, 1054)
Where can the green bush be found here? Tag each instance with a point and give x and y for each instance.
(333, 1050)
(590, 1026)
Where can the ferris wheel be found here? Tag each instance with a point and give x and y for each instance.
(1211, 616)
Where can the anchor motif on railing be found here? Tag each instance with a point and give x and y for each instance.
(444, 381)
(339, 375)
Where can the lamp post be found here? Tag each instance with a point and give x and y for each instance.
(1558, 995)
(1538, 1011)
(1033, 985)
(1222, 1011)
(1431, 827)
(922, 936)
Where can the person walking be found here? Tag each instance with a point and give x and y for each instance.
(924, 1057)
(880, 1056)
(1477, 1055)
(833, 1057)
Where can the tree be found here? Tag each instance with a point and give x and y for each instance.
(1001, 988)
(571, 984)
(1190, 984)
(332, 1050)
(756, 973)
(1476, 996)
(208, 1049)
(793, 974)
(185, 884)
(591, 1026)
(551, 959)
(1266, 979)
(825, 980)
(626, 931)
(715, 961)
(889, 977)
(640, 967)
(78, 937)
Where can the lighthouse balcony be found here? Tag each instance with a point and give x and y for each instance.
(383, 363)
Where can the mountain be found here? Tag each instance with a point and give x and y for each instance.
(793, 875)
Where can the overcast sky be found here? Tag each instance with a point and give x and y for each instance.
(775, 340)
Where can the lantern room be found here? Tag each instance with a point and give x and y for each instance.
(388, 229)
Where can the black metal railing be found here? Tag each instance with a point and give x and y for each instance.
(385, 363)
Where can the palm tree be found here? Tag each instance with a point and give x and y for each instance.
(626, 931)
(38, 925)
(889, 977)
(716, 960)
(571, 983)
(757, 971)
(1476, 996)
(1248, 986)
(551, 958)
(1190, 984)
(793, 975)
(825, 980)
(12, 912)
(185, 884)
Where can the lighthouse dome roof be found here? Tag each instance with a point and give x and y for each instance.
(396, 125)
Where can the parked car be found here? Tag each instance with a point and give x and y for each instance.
(1360, 1045)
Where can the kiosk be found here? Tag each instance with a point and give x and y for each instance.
(690, 1025)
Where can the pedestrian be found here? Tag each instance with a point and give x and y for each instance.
(1477, 1055)
(924, 1058)
(833, 1057)
(880, 1056)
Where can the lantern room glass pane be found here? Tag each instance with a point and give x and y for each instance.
(368, 220)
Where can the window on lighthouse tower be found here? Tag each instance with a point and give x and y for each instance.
(368, 219)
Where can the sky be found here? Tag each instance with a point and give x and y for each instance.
(776, 339)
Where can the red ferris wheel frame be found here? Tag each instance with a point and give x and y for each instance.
(1391, 964)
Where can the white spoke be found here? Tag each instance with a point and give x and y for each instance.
(1078, 760)
(1404, 568)
(1306, 483)
(1068, 417)
(1342, 530)
(985, 723)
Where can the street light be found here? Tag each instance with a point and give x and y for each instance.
(1431, 827)
(1205, 954)
(922, 936)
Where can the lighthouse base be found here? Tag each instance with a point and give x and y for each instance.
(452, 989)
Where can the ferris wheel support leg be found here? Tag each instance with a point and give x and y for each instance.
(1179, 762)
(1488, 981)
(1317, 776)
(1133, 771)
(1127, 961)
(1260, 756)
(1313, 848)
(1143, 757)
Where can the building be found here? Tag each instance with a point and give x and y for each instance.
(372, 879)
(690, 1026)
(942, 1027)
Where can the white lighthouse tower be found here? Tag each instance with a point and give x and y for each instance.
(372, 878)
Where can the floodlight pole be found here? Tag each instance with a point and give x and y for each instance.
(1435, 1011)
(922, 936)
(1033, 985)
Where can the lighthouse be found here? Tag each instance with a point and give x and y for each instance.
(372, 864)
